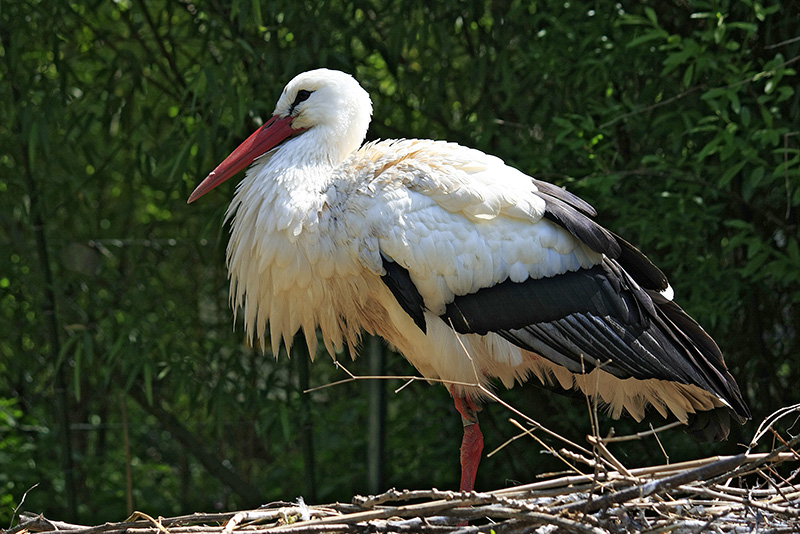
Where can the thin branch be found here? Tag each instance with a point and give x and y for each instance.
(643, 490)
(782, 43)
(651, 107)
(643, 434)
(694, 89)
(21, 502)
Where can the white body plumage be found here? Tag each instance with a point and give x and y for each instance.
(311, 255)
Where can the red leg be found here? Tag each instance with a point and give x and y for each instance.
(471, 443)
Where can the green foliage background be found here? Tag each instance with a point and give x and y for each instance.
(679, 121)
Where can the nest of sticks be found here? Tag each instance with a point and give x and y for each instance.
(747, 493)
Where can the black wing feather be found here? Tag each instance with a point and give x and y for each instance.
(509, 305)
(581, 226)
(595, 317)
(402, 287)
(575, 215)
(639, 267)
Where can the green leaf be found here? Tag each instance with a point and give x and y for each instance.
(783, 168)
(652, 35)
(733, 97)
(704, 15)
(745, 116)
(710, 148)
(730, 172)
(688, 75)
(650, 13)
(257, 19)
(752, 182)
(714, 93)
(756, 176)
(748, 27)
(739, 224)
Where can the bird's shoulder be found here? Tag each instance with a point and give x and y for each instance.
(444, 175)
(455, 218)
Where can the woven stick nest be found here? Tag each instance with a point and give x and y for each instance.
(745, 493)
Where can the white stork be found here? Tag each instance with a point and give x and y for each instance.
(473, 270)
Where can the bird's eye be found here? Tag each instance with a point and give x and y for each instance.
(302, 95)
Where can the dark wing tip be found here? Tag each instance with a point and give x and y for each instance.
(705, 354)
(639, 266)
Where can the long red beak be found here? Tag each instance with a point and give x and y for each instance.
(276, 130)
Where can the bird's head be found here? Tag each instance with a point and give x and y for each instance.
(327, 99)
(328, 107)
